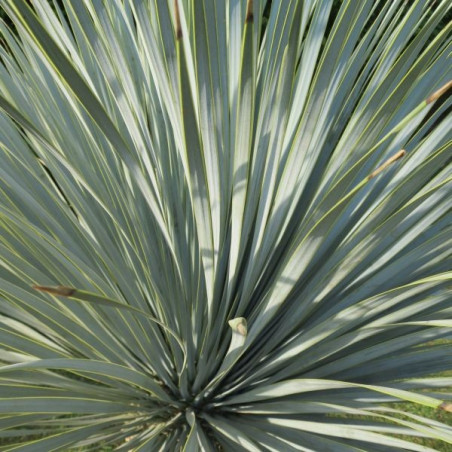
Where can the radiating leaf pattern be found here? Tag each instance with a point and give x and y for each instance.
(225, 224)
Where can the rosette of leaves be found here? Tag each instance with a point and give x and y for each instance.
(220, 232)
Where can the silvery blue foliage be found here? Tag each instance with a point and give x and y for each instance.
(223, 233)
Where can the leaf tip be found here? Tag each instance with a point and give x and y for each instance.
(177, 18)
(388, 162)
(249, 18)
(438, 93)
(239, 325)
(61, 291)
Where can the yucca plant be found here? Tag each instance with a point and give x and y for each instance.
(225, 224)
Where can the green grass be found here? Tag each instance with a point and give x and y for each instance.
(437, 415)
(431, 413)
(419, 410)
(424, 411)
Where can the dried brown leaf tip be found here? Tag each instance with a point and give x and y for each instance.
(177, 17)
(249, 12)
(388, 162)
(438, 93)
(61, 291)
(446, 407)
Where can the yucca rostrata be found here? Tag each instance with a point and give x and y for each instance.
(228, 250)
